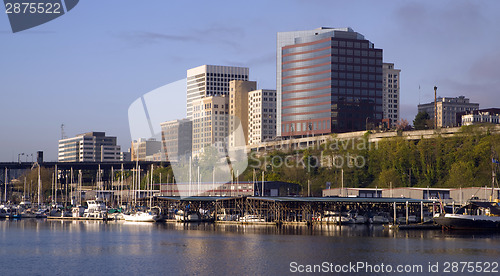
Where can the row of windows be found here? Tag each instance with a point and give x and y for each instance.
(309, 126)
(334, 59)
(342, 68)
(335, 83)
(334, 75)
(305, 109)
(314, 54)
(306, 116)
(325, 98)
(306, 48)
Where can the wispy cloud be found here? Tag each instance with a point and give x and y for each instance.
(142, 37)
(215, 35)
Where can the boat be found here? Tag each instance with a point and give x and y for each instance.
(336, 217)
(379, 219)
(191, 216)
(152, 215)
(356, 218)
(477, 215)
(96, 209)
(252, 218)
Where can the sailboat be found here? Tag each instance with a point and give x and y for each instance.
(476, 215)
(151, 215)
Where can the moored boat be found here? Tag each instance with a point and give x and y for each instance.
(477, 215)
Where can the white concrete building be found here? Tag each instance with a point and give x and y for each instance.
(480, 117)
(390, 94)
(210, 123)
(89, 147)
(211, 80)
(447, 109)
(261, 116)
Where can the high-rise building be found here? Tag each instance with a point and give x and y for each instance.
(89, 147)
(238, 110)
(176, 138)
(447, 109)
(329, 80)
(261, 116)
(144, 149)
(211, 80)
(391, 99)
(210, 123)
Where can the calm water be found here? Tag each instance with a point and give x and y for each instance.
(40, 247)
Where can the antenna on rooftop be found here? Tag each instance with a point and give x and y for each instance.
(63, 135)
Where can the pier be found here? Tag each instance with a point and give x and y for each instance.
(297, 210)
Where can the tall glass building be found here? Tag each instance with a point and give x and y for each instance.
(330, 80)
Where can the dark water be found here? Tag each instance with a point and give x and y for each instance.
(40, 247)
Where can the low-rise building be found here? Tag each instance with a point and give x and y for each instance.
(235, 188)
(447, 109)
(458, 196)
(143, 148)
(89, 147)
(491, 116)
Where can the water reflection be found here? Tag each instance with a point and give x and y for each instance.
(93, 247)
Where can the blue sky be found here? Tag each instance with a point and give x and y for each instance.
(85, 68)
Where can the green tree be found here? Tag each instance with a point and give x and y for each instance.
(421, 121)
(461, 174)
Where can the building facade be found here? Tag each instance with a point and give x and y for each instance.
(480, 117)
(390, 94)
(211, 80)
(210, 123)
(262, 116)
(447, 109)
(89, 147)
(238, 110)
(144, 149)
(330, 81)
(176, 137)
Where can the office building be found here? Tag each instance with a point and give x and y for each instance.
(176, 138)
(89, 147)
(210, 123)
(238, 111)
(125, 156)
(390, 93)
(447, 109)
(143, 148)
(211, 80)
(261, 116)
(329, 80)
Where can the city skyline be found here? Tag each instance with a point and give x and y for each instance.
(85, 73)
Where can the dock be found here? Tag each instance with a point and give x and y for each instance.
(79, 218)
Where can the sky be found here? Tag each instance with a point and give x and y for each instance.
(85, 68)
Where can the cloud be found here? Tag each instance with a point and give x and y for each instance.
(215, 35)
(486, 68)
(142, 37)
(441, 24)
